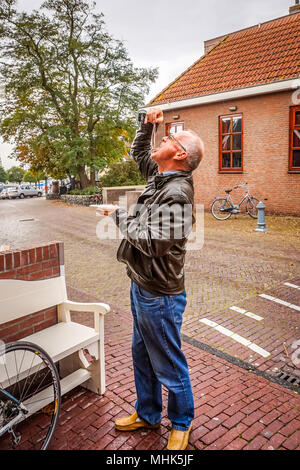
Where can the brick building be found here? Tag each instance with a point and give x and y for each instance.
(243, 98)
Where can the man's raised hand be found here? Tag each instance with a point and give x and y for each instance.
(154, 115)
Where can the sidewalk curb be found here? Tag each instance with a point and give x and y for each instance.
(240, 363)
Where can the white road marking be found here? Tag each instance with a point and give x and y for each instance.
(279, 301)
(245, 312)
(241, 339)
(238, 309)
(292, 285)
(236, 337)
(258, 350)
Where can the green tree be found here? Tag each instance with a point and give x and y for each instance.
(28, 177)
(15, 174)
(32, 176)
(71, 89)
(3, 175)
(124, 173)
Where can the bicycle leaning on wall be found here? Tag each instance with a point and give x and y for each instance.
(222, 208)
(97, 197)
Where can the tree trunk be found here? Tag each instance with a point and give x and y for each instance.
(93, 178)
(84, 181)
(72, 179)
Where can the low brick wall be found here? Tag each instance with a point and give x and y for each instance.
(51, 196)
(30, 264)
(76, 199)
(112, 195)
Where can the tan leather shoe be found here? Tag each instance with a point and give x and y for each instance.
(130, 423)
(178, 440)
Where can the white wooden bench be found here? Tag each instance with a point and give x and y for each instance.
(66, 341)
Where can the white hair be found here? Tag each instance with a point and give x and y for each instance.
(195, 151)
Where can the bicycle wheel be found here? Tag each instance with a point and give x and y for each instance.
(219, 207)
(30, 397)
(251, 207)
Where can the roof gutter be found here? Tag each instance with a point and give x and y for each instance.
(283, 85)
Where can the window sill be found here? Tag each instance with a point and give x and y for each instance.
(294, 172)
(230, 172)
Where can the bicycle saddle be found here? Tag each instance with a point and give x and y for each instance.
(228, 191)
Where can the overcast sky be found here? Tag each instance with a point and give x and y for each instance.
(169, 34)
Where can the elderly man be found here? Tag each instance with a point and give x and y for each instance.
(153, 250)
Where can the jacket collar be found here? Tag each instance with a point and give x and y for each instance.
(159, 179)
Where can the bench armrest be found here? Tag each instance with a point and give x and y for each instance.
(98, 309)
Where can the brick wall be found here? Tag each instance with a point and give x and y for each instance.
(30, 264)
(266, 151)
(111, 195)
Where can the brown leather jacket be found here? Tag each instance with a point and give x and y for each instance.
(154, 261)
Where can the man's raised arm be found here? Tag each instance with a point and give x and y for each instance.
(141, 147)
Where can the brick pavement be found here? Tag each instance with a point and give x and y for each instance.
(233, 268)
(276, 333)
(234, 409)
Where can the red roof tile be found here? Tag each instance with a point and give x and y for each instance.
(253, 56)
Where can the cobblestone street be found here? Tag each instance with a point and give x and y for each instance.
(243, 302)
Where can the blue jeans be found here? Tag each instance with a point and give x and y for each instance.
(158, 359)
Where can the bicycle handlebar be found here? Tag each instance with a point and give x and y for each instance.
(241, 186)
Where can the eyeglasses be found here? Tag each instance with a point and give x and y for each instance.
(171, 136)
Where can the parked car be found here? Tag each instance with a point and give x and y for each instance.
(23, 191)
(4, 192)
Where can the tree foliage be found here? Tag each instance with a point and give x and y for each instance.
(33, 177)
(124, 173)
(28, 177)
(71, 89)
(3, 175)
(15, 174)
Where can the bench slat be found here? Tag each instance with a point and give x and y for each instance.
(58, 341)
(63, 339)
(20, 298)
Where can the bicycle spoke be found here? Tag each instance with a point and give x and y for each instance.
(251, 207)
(28, 375)
(17, 382)
(36, 391)
(31, 381)
(7, 374)
(42, 399)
